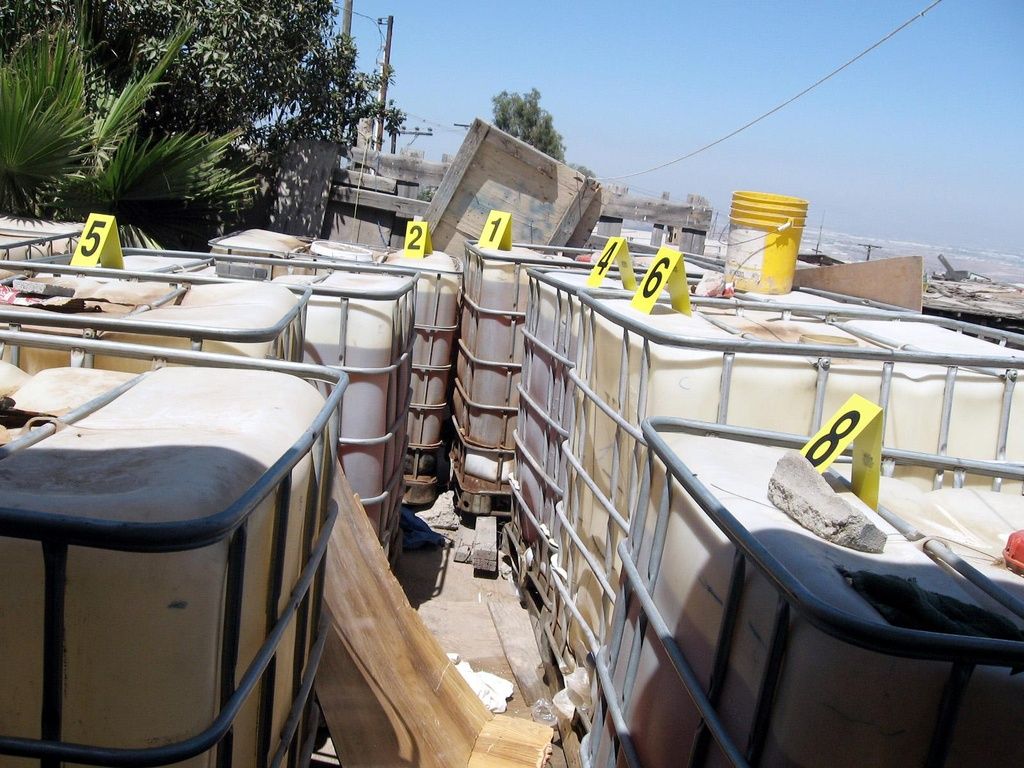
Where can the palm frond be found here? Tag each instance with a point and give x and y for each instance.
(170, 190)
(43, 123)
(120, 117)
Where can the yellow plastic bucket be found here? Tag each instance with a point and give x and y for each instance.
(767, 198)
(764, 240)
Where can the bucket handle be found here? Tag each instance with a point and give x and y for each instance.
(783, 227)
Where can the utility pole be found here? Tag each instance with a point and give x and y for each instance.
(869, 246)
(346, 19)
(415, 132)
(384, 80)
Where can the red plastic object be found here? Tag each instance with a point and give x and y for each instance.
(1014, 552)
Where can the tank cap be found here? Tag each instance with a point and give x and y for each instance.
(1014, 552)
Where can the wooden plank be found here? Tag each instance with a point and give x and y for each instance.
(424, 173)
(894, 281)
(453, 176)
(508, 742)
(370, 226)
(403, 206)
(303, 187)
(633, 208)
(520, 646)
(575, 211)
(485, 544)
(350, 178)
(389, 693)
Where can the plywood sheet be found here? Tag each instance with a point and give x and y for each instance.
(894, 281)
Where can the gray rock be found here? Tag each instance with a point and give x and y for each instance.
(798, 490)
(442, 514)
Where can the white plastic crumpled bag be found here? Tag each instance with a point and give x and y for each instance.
(492, 690)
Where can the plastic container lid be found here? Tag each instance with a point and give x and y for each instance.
(1014, 552)
(330, 249)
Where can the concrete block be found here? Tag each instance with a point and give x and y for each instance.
(798, 490)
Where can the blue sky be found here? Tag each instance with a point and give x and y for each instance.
(922, 140)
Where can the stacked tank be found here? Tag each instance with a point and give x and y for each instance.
(361, 321)
(485, 400)
(162, 543)
(595, 368)
(438, 296)
(741, 638)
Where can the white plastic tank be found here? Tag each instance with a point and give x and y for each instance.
(22, 238)
(260, 243)
(363, 322)
(265, 319)
(140, 636)
(662, 366)
(489, 359)
(438, 297)
(878, 707)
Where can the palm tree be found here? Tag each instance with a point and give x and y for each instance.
(70, 145)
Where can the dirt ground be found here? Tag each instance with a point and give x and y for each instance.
(452, 600)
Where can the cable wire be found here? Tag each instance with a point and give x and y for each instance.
(786, 103)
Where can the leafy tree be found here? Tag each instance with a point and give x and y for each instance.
(275, 70)
(68, 147)
(582, 169)
(521, 115)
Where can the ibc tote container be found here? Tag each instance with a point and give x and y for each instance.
(162, 556)
(489, 361)
(361, 320)
(182, 311)
(438, 293)
(33, 238)
(739, 639)
(770, 365)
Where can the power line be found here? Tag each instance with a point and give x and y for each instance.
(786, 103)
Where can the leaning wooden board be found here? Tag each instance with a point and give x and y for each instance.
(390, 695)
(551, 204)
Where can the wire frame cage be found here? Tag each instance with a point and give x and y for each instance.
(289, 625)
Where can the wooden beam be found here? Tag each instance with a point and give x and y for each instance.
(425, 173)
(443, 196)
(347, 178)
(894, 281)
(575, 211)
(404, 206)
(622, 206)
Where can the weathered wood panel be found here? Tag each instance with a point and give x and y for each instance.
(892, 281)
(549, 201)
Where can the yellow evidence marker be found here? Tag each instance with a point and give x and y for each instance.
(497, 233)
(99, 244)
(417, 240)
(667, 270)
(616, 251)
(858, 421)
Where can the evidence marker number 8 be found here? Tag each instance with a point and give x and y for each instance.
(858, 421)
